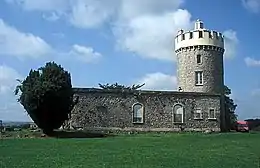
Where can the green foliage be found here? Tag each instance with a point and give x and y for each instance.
(117, 86)
(47, 96)
(230, 108)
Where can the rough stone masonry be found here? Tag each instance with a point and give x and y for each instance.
(99, 109)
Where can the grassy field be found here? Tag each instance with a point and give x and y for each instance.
(232, 150)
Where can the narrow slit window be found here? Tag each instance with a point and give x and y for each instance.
(183, 37)
(200, 34)
(210, 35)
(191, 35)
(199, 59)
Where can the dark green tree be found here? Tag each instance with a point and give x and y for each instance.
(47, 96)
(230, 108)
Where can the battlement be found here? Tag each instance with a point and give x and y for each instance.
(198, 36)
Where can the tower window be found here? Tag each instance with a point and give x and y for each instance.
(210, 35)
(198, 78)
(199, 59)
(200, 34)
(191, 35)
(215, 34)
(183, 37)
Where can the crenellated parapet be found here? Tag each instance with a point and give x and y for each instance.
(198, 36)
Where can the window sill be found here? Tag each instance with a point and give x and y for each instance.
(198, 84)
(212, 118)
(178, 123)
(138, 123)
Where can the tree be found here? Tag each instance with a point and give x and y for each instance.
(47, 96)
(117, 86)
(230, 108)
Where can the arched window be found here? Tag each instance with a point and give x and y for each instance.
(138, 113)
(178, 113)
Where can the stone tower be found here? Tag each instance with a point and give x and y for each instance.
(200, 60)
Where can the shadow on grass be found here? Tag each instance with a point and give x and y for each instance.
(78, 134)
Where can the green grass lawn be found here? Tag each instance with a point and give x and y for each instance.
(232, 150)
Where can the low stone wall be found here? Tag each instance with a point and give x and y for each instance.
(112, 110)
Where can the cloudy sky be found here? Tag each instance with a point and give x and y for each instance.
(124, 41)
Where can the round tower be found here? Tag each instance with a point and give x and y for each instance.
(200, 60)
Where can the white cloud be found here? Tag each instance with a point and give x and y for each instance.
(19, 44)
(8, 78)
(252, 5)
(252, 62)
(130, 9)
(83, 54)
(90, 13)
(231, 43)
(146, 27)
(10, 109)
(152, 36)
(80, 13)
(158, 81)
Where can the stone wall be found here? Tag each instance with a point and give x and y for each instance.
(113, 110)
(211, 66)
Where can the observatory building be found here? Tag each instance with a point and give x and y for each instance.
(200, 60)
(196, 105)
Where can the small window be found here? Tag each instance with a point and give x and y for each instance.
(212, 114)
(178, 113)
(199, 78)
(215, 34)
(201, 25)
(183, 37)
(210, 35)
(200, 34)
(191, 35)
(198, 114)
(138, 112)
(199, 59)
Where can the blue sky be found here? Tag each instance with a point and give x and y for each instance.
(124, 41)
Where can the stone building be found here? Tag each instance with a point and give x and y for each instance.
(197, 105)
